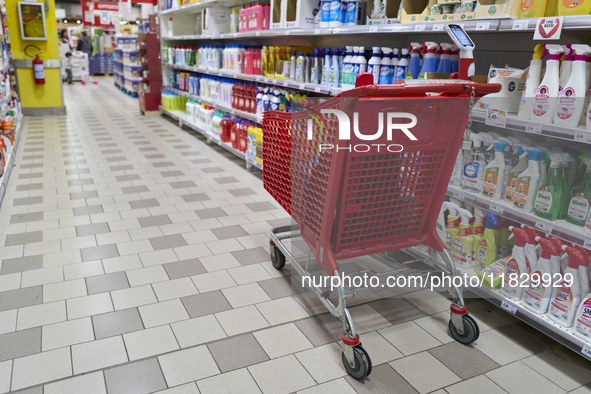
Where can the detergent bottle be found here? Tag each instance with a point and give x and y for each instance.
(452, 228)
(504, 235)
(347, 72)
(566, 65)
(515, 171)
(546, 93)
(473, 173)
(414, 65)
(549, 197)
(531, 83)
(578, 208)
(402, 67)
(567, 294)
(487, 250)
(588, 92)
(573, 7)
(489, 155)
(373, 66)
(444, 65)
(333, 71)
(561, 263)
(517, 266)
(528, 180)
(495, 171)
(440, 225)
(463, 243)
(582, 323)
(326, 68)
(315, 70)
(585, 271)
(477, 231)
(571, 99)
(532, 8)
(536, 297)
(386, 65)
(454, 58)
(429, 59)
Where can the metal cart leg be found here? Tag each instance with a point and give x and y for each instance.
(463, 327)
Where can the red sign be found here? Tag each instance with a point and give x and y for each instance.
(104, 6)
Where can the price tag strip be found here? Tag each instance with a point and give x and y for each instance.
(420, 28)
(495, 117)
(438, 27)
(533, 128)
(496, 208)
(544, 227)
(482, 25)
(509, 306)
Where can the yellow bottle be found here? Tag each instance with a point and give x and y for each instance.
(532, 8)
(452, 228)
(477, 231)
(487, 250)
(265, 60)
(271, 69)
(259, 145)
(463, 243)
(573, 7)
(551, 8)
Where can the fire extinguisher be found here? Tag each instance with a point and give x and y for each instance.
(38, 71)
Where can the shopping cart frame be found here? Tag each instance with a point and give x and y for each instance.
(462, 327)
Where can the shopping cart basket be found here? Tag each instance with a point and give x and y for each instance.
(350, 201)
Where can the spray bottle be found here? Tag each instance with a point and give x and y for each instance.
(325, 68)
(561, 263)
(487, 250)
(463, 243)
(429, 60)
(473, 174)
(394, 64)
(494, 172)
(548, 200)
(546, 94)
(445, 58)
(402, 67)
(440, 225)
(504, 235)
(571, 99)
(536, 296)
(489, 154)
(566, 65)
(333, 73)
(454, 58)
(567, 295)
(347, 74)
(452, 228)
(531, 83)
(477, 232)
(582, 323)
(414, 65)
(518, 264)
(373, 66)
(360, 64)
(528, 180)
(386, 67)
(578, 208)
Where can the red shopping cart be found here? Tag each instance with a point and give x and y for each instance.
(354, 192)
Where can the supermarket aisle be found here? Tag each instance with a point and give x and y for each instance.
(134, 259)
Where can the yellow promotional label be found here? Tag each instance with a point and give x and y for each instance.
(491, 176)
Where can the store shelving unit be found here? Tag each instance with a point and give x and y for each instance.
(150, 85)
(11, 159)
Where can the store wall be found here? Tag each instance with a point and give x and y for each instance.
(37, 99)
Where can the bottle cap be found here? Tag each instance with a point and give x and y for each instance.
(548, 248)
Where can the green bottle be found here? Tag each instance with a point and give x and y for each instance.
(578, 207)
(565, 160)
(549, 196)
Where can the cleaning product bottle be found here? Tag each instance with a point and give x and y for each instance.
(386, 67)
(414, 65)
(536, 297)
(515, 172)
(325, 68)
(373, 66)
(333, 73)
(375, 9)
(495, 171)
(531, 83)
(549, 197)
(315, 70)
(567, 294)
(402, 66)
(462, 244)
(504, 234)
(571, 99)
(452, 228)
(573, 7)
(300, 68)
(546, 93)
(528, 180)
(532, 8)
(578, 208)
(361, 62)
(473, 173)
(429, 60)
(444, 65)
(582, 323)
(477, 231)
(517, 266)
(440, 225)
(588, 92)
(347, 72)
(489, 154)
(394, 64)
(454, 58)
(566, 65)
(487, 250)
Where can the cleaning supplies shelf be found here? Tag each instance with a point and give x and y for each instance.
(559, 228)
(540, 322)
(10, 161)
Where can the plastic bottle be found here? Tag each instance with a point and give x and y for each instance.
(170, 29)
(347, 72)
(528, 180)
(325, 68)
(546, 94)
(394, 64)
(429, 59)
(373, 66)
(567, 294)
(517, 265)
(335, 13)
(487, 250)
(515, 171)
(532, 8)
(402, 67)
(385, 77)
(477, 231)
(536, 297)
(325, 13)
(462, 244)
(315, 70)
(571, 99)
(414, 64)
(333, 71)
(444, 65)
(299, 67)
(495, 171)
(375, 9)
(549, 197)
(531, 83)
(566, 65)
(234, 20)
(489, 154)
(440, 224)
(454, 58)
(452, 228)
(360, 63)
(573, 7)
(473, 172)
(292, 66)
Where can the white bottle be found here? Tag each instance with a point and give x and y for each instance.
(325, 68)
(536, 296)
(546, 94)
(567, 295)
(588, 92)
(566, 66)
(528, 181)
(347, 72)
(373, 66)
(385, 77)
(169, 32)
(375, 9)
(394, 62)
(300, 68)
(494, 173)
(333, 71)
(402, 65)
(571, 99)
(361, 62)
(531, 83)
(582, 323)
(292, 66)
(473, 172)
(517, 265)
(382, 12)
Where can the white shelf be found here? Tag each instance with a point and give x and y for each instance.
(579, 133)
(191, 8)
(309, 87)
(10, 161)
(573, 22)
(559, 228)
(4, 105)
(542, 323)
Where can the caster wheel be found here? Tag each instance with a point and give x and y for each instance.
(471, 331)
(277, 258)
(248, 166)
(362, 367)
(209, 142)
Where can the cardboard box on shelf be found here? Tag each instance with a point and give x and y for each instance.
(464, 16)
(300, 13)
(414, 11)
(448, 1)
(216, 20)
(392, 9)
(491, 9)
(278, 8)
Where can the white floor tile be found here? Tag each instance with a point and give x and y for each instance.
(150, 342)
(337, 386)
(92, 383)
(5, 372)
(239, 381)
(238, 321)
(89, 305)
(67, 333)
(42, 276)
(147, 275)
(39, 315)
(64, 290)
(8, 321)
(412, 368)
(213, 281)
(188, 365)
(519, 378)
(122, 263)
(132, 297)
(245, 295)
(197, 331)
(189, 388)
(98, 354)
(409, 338)
(323, 362)
(163, 313)
(40, 368)
(176, 288)
(294, 376)
(219, 262)
(249, 274)
(282, 310)
(282, 340)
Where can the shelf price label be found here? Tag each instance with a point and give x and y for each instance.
(587, 244)
(373, 29)
(586, 351)
(458, 195)
(420, 28)
(582, 136)
(438, 27)
(495, 117)
(482, 25)
(317, 89)
(533, 128)
(180, 123)
(285, 83)
(520, 25)
(496, 208)
(287, 32)
(509, 306)
(334, 92)
(316, 31)
(397, 28)
(301, 86)
(544, 227)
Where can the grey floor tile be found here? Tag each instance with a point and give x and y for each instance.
(135, 189)
(32, 165)
(99, 252)
(155, 156)
(30, 186)
(166, 174)
(261, 206)
(21, 264)
(397, 310)
(144, 203)
(27, 201)
(26, 217)
(89, 211)
(465, 361)
(123, 178)
(139, 377)
(203, 161)
(32, 390)
(182, 269)
(252, 256)
(31, 175)
(20, 343)
(122, 168)
(80, 182)
(383, 380)
(163, 164)
(168, 242)
(83, 195)
(212, 170)
(206, 303)
(78, 171)
(151, 221)
(242, 192)
(117, 323)
(182, 184)
(196, 197)
(221, 181)
(237, 352)
(229, 232)
(24, 238)
(109, 282)
(281, 287)
(321, 329)
(210, 213)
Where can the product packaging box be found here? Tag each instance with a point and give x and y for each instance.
(277, 14)
(392, 7)
(414, 11)
(299, 14)
(495, 9)
(216, 20)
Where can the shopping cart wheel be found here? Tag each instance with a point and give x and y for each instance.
(277, 257)
(471, 330)
(362, 366)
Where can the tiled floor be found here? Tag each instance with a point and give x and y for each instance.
(134, 260)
